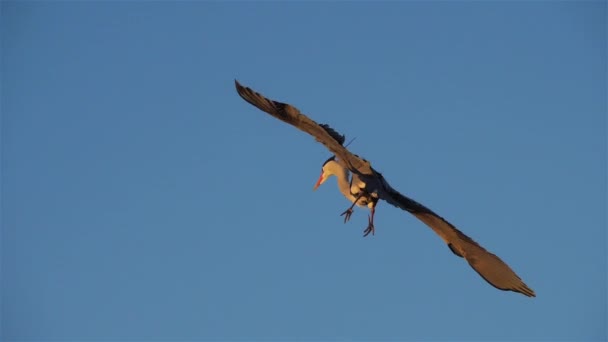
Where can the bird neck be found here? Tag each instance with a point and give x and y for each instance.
(342, 174)
(344, 184)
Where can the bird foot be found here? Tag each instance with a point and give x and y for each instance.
(370, 227)
(347, 214)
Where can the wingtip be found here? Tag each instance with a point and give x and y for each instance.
(526, 291)
(241, 90)
(520, 288)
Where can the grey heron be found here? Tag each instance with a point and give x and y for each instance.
(372, 185)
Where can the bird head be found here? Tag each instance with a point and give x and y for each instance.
(325, 172)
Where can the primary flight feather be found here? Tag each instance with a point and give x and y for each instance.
(367, 186)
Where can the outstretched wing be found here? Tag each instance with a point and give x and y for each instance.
(321, 132)
(489, 266)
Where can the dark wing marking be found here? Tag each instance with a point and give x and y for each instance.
(334, 134)
(322, 133)
(489, 266)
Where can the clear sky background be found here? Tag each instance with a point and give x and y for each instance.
(143, 199)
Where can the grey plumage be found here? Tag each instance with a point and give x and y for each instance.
(489, 266)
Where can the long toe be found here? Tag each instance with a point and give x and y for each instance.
(370, 228)
(347, 214)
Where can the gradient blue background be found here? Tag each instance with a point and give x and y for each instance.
(142, 199)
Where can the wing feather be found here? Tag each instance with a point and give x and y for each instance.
(489, 266)
(322, 133)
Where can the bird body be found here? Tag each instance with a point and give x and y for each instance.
(349, 186)
(352, 188)
(366, 186)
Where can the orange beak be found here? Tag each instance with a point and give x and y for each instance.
(318, 182)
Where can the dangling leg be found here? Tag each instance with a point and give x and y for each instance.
(370, 227)
(349, 211)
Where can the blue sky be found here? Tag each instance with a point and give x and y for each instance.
(142, 199)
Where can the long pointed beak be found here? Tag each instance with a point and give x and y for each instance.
(318, 183)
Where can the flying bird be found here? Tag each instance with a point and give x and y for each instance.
(366, 186)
